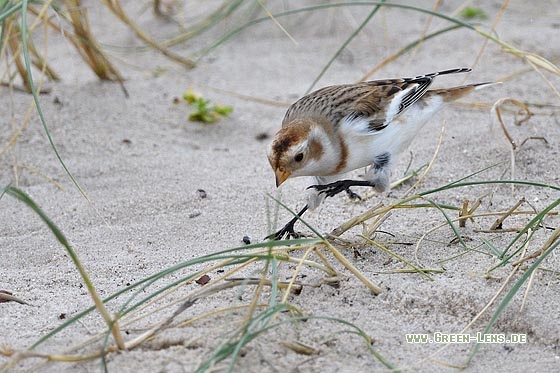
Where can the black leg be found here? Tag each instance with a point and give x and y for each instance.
(288, 230)
(333, 189)
(329, 190)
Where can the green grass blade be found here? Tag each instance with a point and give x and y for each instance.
(273, 279)
(232, 347)
(511, 293)
(344, 45)
(319, 235)
(99, 305)
(145, 282)
(27, 61)
(22, 197)
(533, 223)
(449, 222)
(361, 333)
(8, 12)
(412, 45)
(237, 30)
(492, 248)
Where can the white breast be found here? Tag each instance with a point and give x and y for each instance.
(363, 145)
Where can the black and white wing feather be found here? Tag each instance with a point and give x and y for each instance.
(376, 102)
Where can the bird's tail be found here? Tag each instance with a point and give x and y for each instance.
(455, 93)
(445, 72)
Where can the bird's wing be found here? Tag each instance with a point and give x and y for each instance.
(373, 104)
(387, 99)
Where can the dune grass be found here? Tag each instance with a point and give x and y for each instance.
(267, 310)
(167, 294)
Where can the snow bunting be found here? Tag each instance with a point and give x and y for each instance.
(341, 128)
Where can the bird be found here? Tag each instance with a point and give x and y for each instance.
(341, 128)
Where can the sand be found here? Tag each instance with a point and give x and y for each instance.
(142, 164)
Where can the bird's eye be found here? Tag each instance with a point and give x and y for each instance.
(298, 157)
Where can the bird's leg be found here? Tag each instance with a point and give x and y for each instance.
(333, 189)
(288, 229)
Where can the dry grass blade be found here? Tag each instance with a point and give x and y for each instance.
(115, 7)
(374, 226)
(498, 223)
(553, 238)
(20, 355)
(291, 286)
(398, 257)
(87, 44)
(376, 290)
(480, 314)
(111, 322)
(296, 272)
(492, 28)
(535, 60)
(467, 213)
(432, 161)
(13, 39)
(523, 109)
(258, 100)
(36, 172)
(6, 296)
(300, 348)
(38, 59)
(356, 220)
(268, 13)
(183, 307)
(414, 270)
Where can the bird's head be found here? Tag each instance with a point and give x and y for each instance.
(296, 150)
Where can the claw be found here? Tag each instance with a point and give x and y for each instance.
(352, 195)
(286, 232)
(288, 229)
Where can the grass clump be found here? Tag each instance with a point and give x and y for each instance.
(265, 306)
(163, 295)
(203, 109)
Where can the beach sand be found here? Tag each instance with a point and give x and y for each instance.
(142, 165)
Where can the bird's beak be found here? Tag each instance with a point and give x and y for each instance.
(281, 176)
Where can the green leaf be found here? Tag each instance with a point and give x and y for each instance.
(471, 12)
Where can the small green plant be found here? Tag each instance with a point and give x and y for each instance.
(204, 110)
(471, 13)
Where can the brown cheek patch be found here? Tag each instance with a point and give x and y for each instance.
(316, 149)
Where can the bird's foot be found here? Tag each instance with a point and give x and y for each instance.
(286, 232)
(333, 189)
